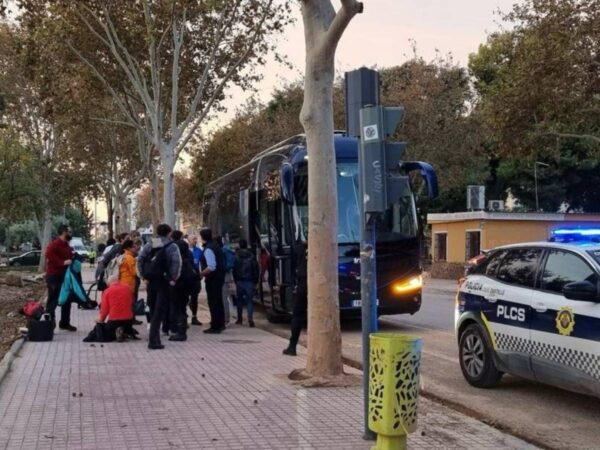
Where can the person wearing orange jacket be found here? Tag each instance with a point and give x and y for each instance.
(127, 270)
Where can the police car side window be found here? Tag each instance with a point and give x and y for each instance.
(563, 268)
(519, 266)
(493, 263)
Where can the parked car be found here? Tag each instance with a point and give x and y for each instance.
(533, 310)
(78, 247)
(26, 259)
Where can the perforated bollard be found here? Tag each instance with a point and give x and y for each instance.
(395, 366)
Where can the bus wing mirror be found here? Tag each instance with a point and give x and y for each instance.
(287, 183)
(427, 172)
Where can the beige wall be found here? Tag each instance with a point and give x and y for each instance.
(497, 232)
(456, 240)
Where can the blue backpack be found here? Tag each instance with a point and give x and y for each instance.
(229, 258)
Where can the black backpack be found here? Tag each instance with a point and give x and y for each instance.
(247, 268)
(155, 265)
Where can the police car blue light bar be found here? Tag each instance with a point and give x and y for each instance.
(575, 233)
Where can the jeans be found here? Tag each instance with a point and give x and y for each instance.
(245, 296)
(54, 283)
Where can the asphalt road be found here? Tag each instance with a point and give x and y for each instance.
(544, 415)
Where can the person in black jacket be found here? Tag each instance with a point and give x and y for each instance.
(182, 289)
(246, 274)
(301, 303)
(212, 266)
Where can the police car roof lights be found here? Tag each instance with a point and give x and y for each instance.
(575, 234)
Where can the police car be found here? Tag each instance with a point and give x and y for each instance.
(533, 310)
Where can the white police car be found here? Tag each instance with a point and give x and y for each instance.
(533, 310)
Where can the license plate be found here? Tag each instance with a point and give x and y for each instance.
(358, 303)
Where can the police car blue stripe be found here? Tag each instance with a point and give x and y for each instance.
(509, 313)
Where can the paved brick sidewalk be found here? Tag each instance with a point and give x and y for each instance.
(227, 391)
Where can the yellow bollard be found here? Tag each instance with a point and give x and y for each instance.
(395, 362)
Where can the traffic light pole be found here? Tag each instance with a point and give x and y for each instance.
(368, 294)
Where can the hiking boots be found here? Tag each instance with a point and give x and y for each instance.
(155, 346)
(178, 338)
(290, 351)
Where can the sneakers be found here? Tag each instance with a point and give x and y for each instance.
(67, 327)
(195, 321)
(251, 323)
(120, 332)
(290, 351)
(178, 338)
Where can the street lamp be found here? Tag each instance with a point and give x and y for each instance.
(537, 200)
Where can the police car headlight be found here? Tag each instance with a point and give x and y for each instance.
(411, 284)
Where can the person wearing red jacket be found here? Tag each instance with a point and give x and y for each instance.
(59, 257)
(117, 307)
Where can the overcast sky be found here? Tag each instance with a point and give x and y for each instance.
(381, 37)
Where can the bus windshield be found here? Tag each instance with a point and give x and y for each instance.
(398, 222)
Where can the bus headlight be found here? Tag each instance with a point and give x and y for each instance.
(412, 284)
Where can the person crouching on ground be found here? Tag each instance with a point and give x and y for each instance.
(115, 321)
(246, 274)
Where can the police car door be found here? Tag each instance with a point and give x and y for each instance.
(509, 308)
(565, 333)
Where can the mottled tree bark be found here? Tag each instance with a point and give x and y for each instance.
(323, 28)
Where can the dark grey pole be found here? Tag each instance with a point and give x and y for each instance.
(368, 294)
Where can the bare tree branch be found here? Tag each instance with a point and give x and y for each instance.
(340, 22)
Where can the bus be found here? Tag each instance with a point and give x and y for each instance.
(265, 201)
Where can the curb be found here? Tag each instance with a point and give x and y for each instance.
(10, 356)
(348, 361)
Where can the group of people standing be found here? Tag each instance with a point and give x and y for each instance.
(171, 266)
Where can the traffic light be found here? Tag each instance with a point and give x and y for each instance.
(380, 160)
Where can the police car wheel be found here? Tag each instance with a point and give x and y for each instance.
(476, 358)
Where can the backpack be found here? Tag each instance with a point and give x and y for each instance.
(155, 267)
(247, 269)
(229, 259)
(111, 272)
(188, 272)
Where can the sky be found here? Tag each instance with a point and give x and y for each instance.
(382, 36)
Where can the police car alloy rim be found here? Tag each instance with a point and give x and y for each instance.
(473, 355)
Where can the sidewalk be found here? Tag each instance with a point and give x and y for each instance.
(227, 391)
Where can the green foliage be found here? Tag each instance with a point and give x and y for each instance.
(79, 220)
(538, 91)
